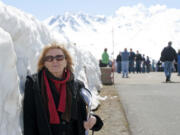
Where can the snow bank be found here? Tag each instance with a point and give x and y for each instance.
(22, 38)
(9, 83)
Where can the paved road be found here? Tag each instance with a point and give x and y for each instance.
(152, 106)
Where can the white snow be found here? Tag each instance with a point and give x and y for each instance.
(147, 29)
(9, 83)
(22, 38)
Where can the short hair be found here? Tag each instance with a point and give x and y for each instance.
(55, 45)
(170, 43)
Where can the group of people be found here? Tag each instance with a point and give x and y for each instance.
(129, 61)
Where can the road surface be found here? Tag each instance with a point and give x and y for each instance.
(152, 107)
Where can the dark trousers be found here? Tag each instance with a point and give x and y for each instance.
(138, 66)
(131, 66)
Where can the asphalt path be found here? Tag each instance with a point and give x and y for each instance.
(152, 107)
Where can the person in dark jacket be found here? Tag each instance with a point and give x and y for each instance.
(159, 66)
(131, 61)
(138, 62)
(148, 64)
(118, 60)
(52, 102)
(143, 60)
(168, 55)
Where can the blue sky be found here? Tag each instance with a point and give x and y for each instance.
(42, 9)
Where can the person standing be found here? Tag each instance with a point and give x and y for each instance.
(168, 55)
(159, 66)
(125, 63)
(153, 66)
(178, 63)
(143, 60)
(138, 62)
(52, 102)
(148, 64)
(118, 60)
(105, 58)
(131, 60)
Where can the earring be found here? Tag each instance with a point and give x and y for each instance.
(65, 70)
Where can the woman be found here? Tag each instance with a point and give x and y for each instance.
(52, 102)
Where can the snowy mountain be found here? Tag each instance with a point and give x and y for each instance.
(147, 29)
(22, 38)
(75, 21)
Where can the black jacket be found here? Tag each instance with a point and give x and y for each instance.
(118, 58)
(35, 115)
(138, 57)
(168, 54)
(132, 56)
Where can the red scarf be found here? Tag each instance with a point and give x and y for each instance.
(61, 88)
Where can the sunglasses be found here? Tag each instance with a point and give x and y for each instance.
(51, 58)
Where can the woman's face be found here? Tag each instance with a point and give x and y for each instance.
(55, 61)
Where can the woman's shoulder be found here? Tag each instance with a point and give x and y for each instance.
(35, 76)
(79, 83)
(32, 81)
(32, 77)
(75, 87)
(76, 83)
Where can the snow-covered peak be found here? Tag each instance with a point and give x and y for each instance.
(84, 17)
(157, 9)
(74, 20)
(147, 29)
